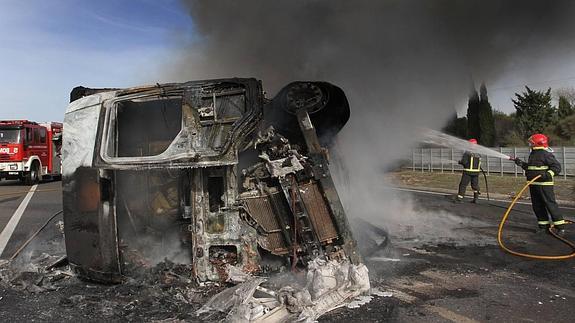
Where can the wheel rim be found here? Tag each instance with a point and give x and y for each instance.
(34, 174)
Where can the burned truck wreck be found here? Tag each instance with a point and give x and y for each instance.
(209, 172)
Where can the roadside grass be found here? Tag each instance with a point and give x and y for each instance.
(507, 185)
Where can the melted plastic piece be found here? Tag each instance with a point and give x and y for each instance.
(329, 285)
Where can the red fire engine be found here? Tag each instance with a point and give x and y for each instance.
(30, 151)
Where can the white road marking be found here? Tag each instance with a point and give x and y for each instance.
(447, 194)
(11, 226)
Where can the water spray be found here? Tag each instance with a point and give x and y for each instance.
(447, 161)
(435, 137)
(442, 139)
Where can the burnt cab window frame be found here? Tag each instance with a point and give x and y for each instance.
(108, 145)
(108, 142)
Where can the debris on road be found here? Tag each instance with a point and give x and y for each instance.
(328, 285)
(36, 276)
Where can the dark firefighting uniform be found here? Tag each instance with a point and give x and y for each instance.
(542, 162)
(471, 167)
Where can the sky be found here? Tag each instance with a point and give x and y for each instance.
(49, 47)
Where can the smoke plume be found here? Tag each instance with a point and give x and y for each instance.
(402, 63)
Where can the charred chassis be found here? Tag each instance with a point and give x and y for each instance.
(238, 182)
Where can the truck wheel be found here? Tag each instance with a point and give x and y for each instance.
(326, 104)
(33, 176)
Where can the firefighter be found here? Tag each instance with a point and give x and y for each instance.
(471, 167)
(542, 162)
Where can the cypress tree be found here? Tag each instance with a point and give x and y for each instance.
(486, 121)
(473, 129)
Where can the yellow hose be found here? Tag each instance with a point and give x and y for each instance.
(551, 230)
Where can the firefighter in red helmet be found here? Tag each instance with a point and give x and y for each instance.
(471, 167)
(542, 162)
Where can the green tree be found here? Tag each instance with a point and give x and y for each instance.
(456, 126)
(473, 129)
(563, 133)
(534, 111)
(565, 108)
(504, 125)
(513, 138)
(486, 121)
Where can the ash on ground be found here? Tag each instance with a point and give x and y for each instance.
(166, 292)
(162, 292)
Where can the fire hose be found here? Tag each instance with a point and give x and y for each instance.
(489, 199)
(34, 235)
(17, 252)
(551, 230)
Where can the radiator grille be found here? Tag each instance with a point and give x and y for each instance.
(261, 210)
(318, 212)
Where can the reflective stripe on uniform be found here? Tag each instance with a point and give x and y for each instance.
(543, 222)
(537, 167)
(560, 222)
(471, 169)
(538, 148)
(543, 183)
(551, 172)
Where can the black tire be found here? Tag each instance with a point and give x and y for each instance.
(33, 176)
(326, 104)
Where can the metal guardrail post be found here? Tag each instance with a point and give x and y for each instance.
(452, 164)
(422, 160)
(441, 158)
(564, 164)
(501, 162)
(515, 156)
(565, 154)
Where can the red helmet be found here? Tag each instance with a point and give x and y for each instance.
(538, 140)
(473, 141)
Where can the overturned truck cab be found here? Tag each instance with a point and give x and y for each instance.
(209, 173)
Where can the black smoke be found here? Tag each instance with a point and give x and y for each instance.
(402, 63)
(403, 60)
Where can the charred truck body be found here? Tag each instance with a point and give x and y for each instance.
(238, 182)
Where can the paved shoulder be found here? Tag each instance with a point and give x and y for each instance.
(23, 209)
